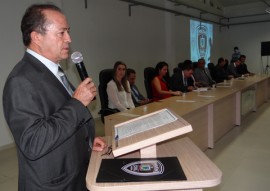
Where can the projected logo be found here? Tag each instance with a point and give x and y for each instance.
(200, 40)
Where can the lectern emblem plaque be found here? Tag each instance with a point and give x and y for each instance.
(144, 168)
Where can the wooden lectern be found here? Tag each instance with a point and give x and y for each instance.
(161, 139)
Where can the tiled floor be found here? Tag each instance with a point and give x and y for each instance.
(243, 155)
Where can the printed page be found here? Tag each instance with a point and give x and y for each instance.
(150, 122)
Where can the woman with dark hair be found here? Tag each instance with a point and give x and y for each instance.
(160, 83)
(118, 89)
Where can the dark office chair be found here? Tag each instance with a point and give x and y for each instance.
(104, 77)
(149, 74)
(195, 65)
(176, 70)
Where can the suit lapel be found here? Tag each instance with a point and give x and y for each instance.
(46, 73)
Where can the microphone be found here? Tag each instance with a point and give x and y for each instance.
(77, 59)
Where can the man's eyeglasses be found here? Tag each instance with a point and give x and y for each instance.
(108, 152)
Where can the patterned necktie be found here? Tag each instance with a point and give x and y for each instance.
(64, 79)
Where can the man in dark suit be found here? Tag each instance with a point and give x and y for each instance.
(183, 80)
(51, 125)
(242, 68)
(232, 68)
(221, 72)
(202, 74)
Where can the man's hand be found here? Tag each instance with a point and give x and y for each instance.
(99, 144)
(86, 91)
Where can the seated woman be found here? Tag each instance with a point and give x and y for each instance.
(160, 86)
(118, 89)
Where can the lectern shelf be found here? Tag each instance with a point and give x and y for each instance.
(143, 133)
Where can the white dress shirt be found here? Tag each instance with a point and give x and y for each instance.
(120, 100)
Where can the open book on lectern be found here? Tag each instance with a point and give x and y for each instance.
(144, 132)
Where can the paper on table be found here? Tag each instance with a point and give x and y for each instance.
(187, 101)
(150, 122)
(128, 114)
(205, 96)
(225, 85)
(201, 89)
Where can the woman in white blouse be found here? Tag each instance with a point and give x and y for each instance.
(118, 89)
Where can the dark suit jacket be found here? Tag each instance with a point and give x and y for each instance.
(221, 74)
(242, 69)
(233, 70)
(51, 130)
(177, 83)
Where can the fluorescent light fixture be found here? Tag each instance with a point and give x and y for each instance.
(267, 10)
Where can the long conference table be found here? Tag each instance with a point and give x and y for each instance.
(211, 113)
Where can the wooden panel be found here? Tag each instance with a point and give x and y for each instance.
(224, 116)
(261, 93)
(199, 122)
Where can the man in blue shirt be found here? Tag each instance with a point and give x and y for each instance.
(137, 97)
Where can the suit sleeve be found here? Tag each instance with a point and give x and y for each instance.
(39, 124)
(177, 84)
(232, 71)
(174, 83)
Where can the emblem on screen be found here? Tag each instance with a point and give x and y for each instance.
(144, 168)
(202, 40)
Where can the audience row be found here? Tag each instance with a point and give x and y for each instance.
(123, 94)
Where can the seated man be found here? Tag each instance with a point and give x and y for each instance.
(202, 74)
(137, 97)
(183, 80)
(242, 68)
(221, 71)
(232, 68)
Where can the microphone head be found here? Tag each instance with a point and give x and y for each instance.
(76, 57)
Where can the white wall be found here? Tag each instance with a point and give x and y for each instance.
(248, 38)
(104, 33)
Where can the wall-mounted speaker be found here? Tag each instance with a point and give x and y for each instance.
(265, 48)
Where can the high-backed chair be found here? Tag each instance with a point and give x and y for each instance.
(149, 74)
(104, 77)
(176, 70)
